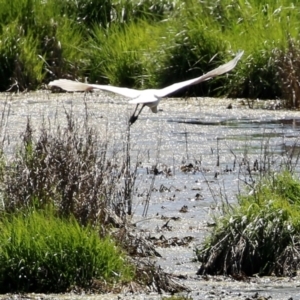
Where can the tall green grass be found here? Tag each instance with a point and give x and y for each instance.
(147, 43)
(192, 49)
(42, 253)
(124, 56)
(260, 235)
(145, 56)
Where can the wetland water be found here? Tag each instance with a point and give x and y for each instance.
(201, 145)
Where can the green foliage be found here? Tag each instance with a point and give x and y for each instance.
(125, 55)
(187, 54)
(260, 235)
(19, 59)
(261, 30)
(42, 253)
(37, 39)
(144, 56)
(150, 43)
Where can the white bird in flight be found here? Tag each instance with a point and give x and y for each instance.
(148, 97)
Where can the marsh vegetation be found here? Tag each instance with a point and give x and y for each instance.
(259, 235)
(63, 158)
(56, 195)
(65, 214)
(64, 180)
(146, 44)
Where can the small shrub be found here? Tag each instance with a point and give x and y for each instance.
(42, 253)
(68, 169)
(261, 235)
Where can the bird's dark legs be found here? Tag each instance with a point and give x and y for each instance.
(133, 118)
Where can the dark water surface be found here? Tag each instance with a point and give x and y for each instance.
(203, 147)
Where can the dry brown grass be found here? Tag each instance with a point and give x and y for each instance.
(67, 168)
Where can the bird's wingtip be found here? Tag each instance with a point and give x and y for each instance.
(240, 53)
(52, 83)
(57, 81)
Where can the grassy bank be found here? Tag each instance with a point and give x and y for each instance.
(151, 44)
(260, 235)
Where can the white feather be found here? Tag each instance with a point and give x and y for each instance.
(148, 97)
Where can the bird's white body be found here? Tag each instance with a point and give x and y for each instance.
(148, 97)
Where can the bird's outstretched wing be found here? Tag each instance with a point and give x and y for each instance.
(218, 71)
(76, 86)
(71, 86)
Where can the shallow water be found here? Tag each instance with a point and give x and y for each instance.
(201, 132)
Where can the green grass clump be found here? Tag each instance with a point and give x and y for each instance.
(42, 253)
(147, 56)
(20, 64)
(124, 55)
(190, 51)
(260, 235)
